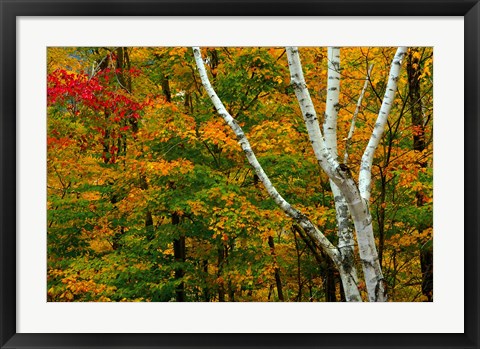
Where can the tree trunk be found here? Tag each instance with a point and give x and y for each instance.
(278, 280)
(299, 267)
(419, 145)
(346, 243)
(330, 284)
(426, 264)
(206, 289)
(415, 99)
(179, 255)
(148, 214)
(351, 294)
(221, 283)
(381, 218)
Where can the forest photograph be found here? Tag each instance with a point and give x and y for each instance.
(239, 174)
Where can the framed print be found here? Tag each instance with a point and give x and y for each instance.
(236, 174)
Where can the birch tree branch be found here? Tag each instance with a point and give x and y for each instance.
(332, 106)
(325, 158)
(302, 220)
(365, 176)
(348, 141)
(346, 242)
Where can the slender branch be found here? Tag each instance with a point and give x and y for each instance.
(365, 177)
(348, 141)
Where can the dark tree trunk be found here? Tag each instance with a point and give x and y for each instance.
(206, 289)
(221, 260)
(426, 264)
(342, 292)
(148, 221)
(330, 284)
(415, 100)
(299, 267)
(278, 280)
(326, 266)
(116, 245)
(179, 255)
(415, 103)
(122, 73)
(166, 88)
(148, 214)
(231, 291)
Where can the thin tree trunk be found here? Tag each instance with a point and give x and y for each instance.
(426, 264)
(326, 266)
(221, 259)
(166, 88)
(148, 214)
(381, 218)
(278, 280)
(206, 289)
(299, 268)
(125, 81)
(228, 249)
(330, 285)
(415, 99)
(179, 255)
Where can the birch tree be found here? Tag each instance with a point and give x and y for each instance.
(351, 200)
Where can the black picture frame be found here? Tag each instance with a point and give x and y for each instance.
(9, 10)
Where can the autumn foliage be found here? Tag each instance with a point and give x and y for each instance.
(150, 197)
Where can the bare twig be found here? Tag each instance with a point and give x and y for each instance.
(348, 140)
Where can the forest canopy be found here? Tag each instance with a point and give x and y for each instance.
(153, 196)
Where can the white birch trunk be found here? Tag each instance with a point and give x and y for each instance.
(365, 176)
(332, 106)
(346, 242)
(341, 176)
(367, 250)
(326, 159)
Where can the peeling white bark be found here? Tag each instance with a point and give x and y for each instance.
(362, 221)
(365, 176)
(323, 155)
(346, 246)
(372, 270)
(332, 106)
(346, 242)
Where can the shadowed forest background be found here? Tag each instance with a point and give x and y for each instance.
(151, 198)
